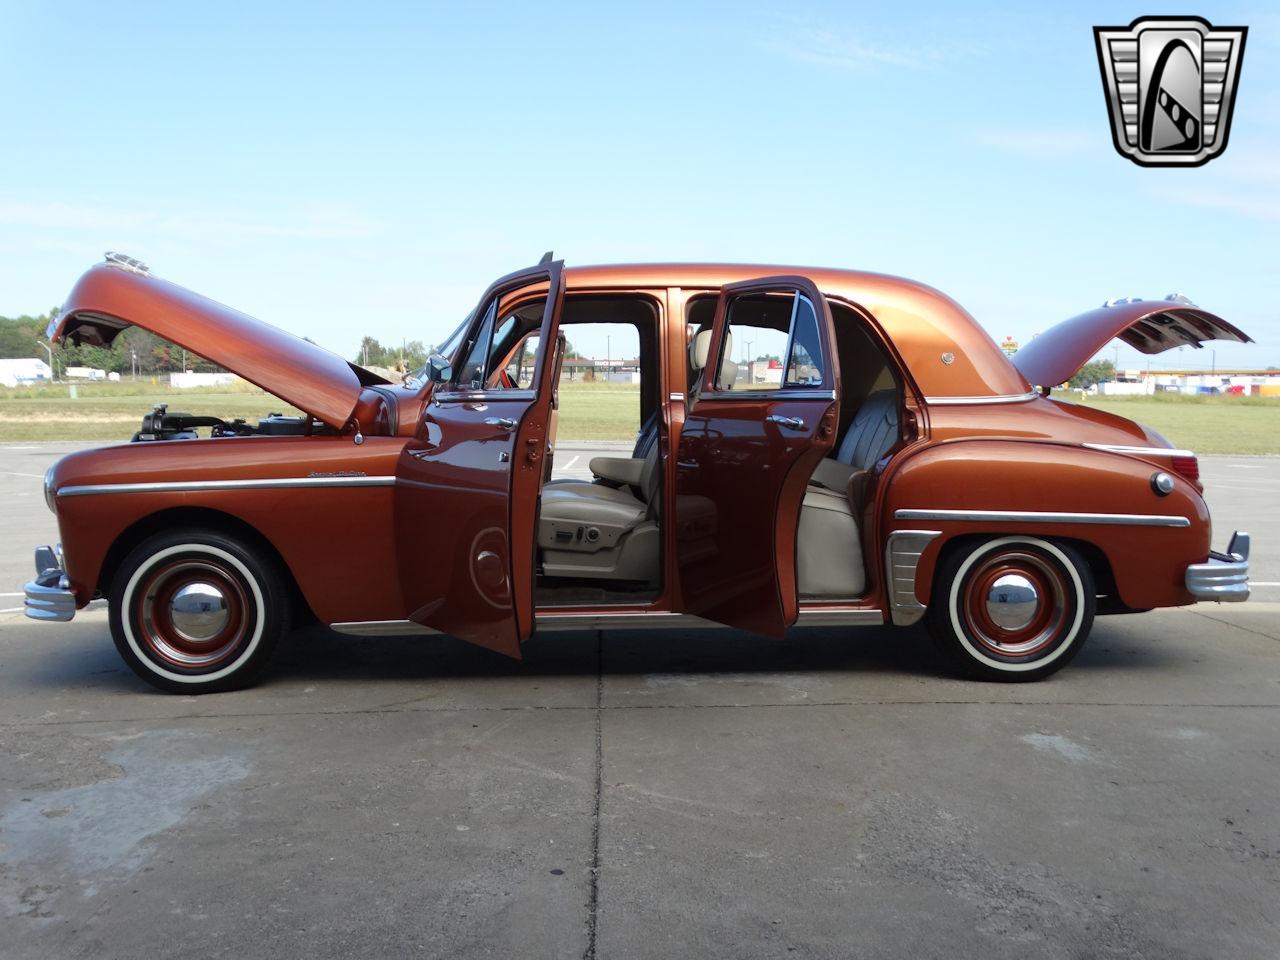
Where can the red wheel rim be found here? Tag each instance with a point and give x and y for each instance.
(1032, 628)
(193, 614)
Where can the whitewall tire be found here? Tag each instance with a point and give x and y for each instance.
(196, 611)
(1012, 608)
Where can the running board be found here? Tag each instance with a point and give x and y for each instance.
(615, 621)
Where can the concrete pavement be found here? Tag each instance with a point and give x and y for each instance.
(700, 794)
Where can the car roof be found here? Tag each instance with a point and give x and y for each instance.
(946, 351)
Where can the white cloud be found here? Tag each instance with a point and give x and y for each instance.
(828, 46)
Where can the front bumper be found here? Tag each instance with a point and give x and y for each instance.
(1224, 576)
(49, 595)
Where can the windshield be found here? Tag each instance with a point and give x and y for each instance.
(447, 349)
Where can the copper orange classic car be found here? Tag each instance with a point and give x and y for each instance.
(889, 465)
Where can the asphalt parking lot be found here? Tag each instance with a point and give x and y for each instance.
(690, 794)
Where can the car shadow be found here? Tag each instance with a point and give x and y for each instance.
(90, 661)
(317, 653)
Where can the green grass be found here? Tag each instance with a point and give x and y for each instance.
(588, 411)
(114, 411)
(599, 411)
(1203, 423)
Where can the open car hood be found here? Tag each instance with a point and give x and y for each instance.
(1151, 326)
(113, 296)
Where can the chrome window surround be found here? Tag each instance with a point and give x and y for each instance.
(902, 552)
(1045, 516)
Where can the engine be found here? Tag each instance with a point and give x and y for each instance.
(162, 424)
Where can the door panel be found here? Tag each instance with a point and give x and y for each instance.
(467, 493)
(744, 460)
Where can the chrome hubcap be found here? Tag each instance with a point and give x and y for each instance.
(1012, 602)
(198, 611)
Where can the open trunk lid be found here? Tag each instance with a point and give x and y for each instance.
(1151, 326)
(121, 293)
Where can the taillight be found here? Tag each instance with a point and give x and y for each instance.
(1187, 467)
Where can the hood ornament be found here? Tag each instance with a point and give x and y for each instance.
(132, 264)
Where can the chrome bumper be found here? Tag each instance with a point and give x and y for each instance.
(49, 596)
(1224, 576)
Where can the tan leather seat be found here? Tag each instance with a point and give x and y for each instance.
(597, 532)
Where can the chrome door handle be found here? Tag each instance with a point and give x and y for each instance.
(791, 423)
(504, 422)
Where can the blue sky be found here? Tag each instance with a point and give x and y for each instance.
(352, 168)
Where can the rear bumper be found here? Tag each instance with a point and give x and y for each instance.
(1224, 576)
(49, 595)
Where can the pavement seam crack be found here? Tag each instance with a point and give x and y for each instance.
(1229, 623)
(593, 896)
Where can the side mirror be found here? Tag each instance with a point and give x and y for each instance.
(439, 370)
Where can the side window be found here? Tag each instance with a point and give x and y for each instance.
(772, 341)
(499, 337)
(804, 367)
(471, 371)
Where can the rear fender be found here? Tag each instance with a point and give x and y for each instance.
(1147, 540)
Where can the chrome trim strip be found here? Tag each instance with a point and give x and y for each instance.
(902, 552)
(839, 618)
(640, 620)
(185, 486)
(475, 396)
(994, 398)
(382, 628)
(1141, 451)
(1046, 516)
(782, 393)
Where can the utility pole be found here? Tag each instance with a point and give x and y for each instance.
(608, 357)
(53, 371)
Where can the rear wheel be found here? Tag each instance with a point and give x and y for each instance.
(195, 611)
(1012, 608)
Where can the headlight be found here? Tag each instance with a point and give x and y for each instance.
(48, 489)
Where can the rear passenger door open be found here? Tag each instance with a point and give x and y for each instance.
(763, 413)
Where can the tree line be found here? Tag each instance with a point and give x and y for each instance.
(134, 350)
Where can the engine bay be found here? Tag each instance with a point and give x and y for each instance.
(163, 424)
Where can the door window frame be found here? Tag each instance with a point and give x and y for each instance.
(454, 391)
(798, 287)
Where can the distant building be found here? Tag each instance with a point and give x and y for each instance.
(183, 381)
(23, 370)
(1257, 383)
(84, 373)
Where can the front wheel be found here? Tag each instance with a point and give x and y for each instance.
(195, 611)
(1012, 608)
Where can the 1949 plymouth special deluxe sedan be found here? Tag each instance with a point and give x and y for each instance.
(891, 465)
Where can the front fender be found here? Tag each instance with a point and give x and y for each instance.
(1147, 540)
(336, 540)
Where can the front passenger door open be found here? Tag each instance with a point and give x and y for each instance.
(467, 487)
